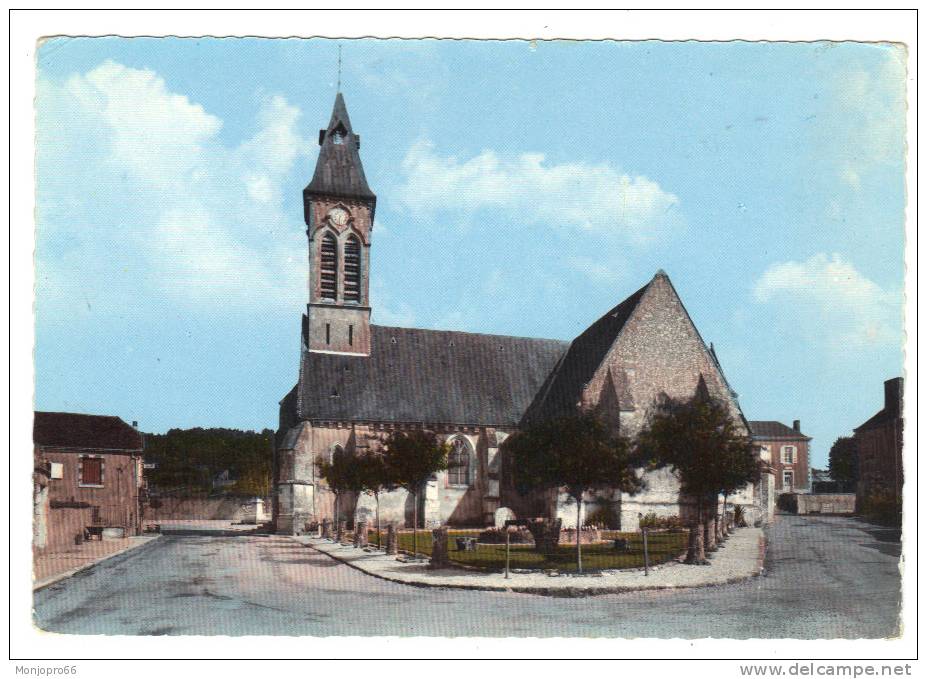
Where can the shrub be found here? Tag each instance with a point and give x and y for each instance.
(651, 520)
(882, 508)
(603, 516)
(787, 502)
(496, 536)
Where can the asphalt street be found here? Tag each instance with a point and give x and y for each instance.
(826, 577)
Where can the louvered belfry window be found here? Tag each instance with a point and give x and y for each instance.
(352, 270)
(329, 267)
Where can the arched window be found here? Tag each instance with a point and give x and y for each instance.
(458, 462)
(328, 267)
(352, 270)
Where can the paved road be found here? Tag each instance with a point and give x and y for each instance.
(827, 577)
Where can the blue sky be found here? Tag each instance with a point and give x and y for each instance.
(522, 189)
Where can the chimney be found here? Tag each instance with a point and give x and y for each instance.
(135, 424)
(894, 392)
(796, 425)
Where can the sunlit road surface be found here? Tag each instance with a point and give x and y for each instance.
(827, 577)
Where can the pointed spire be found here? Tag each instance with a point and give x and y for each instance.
(338, 171)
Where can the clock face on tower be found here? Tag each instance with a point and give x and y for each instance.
(338, 216)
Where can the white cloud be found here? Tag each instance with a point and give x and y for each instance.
(134, 178)
(826, 300)
(873, 101)
(156, 135)
(610, 270)
(526, 190)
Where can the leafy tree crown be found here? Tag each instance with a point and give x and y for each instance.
(843, 460)
(341, 473)
(700, 440)
(577, 452)
(410, 458)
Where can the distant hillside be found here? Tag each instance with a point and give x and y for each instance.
(210, 461)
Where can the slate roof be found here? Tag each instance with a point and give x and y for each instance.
(563, 389)
(432, 376)
(75, 430)
(338, 171)
(770, 429)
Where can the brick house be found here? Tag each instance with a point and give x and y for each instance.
(87, 475)
(880, 446)
(358, 381)
(788, 452)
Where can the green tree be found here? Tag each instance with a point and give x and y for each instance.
(843, 461)
(700, 440)
(341, 475)
(410, 458)
(188, 460)
(374, 477)
(739, 467)
(577, 453)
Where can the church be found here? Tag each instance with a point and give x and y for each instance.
(359, 381)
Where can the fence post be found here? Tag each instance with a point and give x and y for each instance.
(507, 543)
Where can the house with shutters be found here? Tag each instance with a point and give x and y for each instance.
(87, 477)
(358, 381)
(788, 451)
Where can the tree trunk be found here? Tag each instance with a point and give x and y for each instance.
(724, 526)
(546, 534)
(696, 552)
(579, 550)
(710, 543)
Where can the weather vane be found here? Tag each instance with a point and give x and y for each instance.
(339, 69)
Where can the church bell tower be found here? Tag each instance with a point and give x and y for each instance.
(339, 209)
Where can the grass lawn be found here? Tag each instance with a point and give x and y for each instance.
(661, 546)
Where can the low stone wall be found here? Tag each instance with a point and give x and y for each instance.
(587, 536)
(203, 508)
(829, 503)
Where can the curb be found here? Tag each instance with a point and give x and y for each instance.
(53, 579)
(561, 592)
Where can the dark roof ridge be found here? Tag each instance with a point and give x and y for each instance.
(427, 375)
(57, 429)
(469, 332)
(579, 359)
(71, 412)
(774, 429)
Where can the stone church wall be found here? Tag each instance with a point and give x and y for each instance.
(659, 351)
(302, 496)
